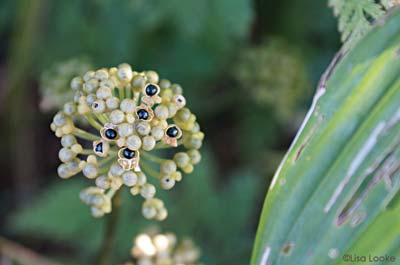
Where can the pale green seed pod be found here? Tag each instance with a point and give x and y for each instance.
(99, 106)
(74, 166)
(157, 132)
(63, 171)
(103, 182)
(141, 178)
(90, 171)
(91, 85)
(101, 74)
(88, 75)
(104, 92)
(128, 105)
(143, 128)
(148, 191)
(181, 159)
(177, 89)
(117, 116)
(125, 129)
(129, 178)
(148, 143)
(107, 83)
(167, 167)
(138, 81)
(195, 156)
(60, 119)
(149, 212)
(96, 212)
(112, 103)
(162, 214)
(90, 99)
(66, 155)
(183, 114)
(134, 142)
(69, 108)
(188, 169)
(125, 73)
(161, 112)
(68, 140)
(152, 77)
(164, 84)
(76, 83)
(116, 183)
(116, 170)
(167, 182)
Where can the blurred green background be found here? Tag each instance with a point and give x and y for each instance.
(248, 69)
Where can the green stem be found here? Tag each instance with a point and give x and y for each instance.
(93, 122)
(151, 157)
(121, 93)
(105, 252)
(85, 135)
(161, 145)
(148, 170)
(101, 118)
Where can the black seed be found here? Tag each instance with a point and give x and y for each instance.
(111, 134)
(128, 153)
(95, 105)
(99, 148)
(172, 132)
(151, 90)
(142, 114)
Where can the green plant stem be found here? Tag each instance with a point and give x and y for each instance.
(105, 252)
(93, 122)
(149, 171)
(85, 135)
(151, 157)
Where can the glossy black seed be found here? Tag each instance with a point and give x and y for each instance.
(99, 148)
(172, 131)
(142, 114)
(111, 134)
(151, 90)
(95, 105)
(128, 153)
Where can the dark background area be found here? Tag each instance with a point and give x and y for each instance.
(248, 69)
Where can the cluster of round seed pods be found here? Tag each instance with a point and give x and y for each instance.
(163, 249)
(126, 119)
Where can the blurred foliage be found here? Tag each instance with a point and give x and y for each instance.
(274, 75)
(197, 209)
(55, 82)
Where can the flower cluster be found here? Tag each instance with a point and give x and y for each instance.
(156, 249)
(134, 117)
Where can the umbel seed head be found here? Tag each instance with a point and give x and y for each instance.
(125, 115)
